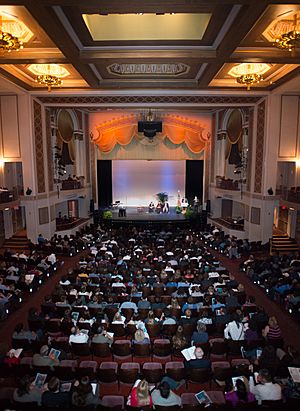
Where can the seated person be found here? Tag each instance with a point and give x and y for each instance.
(238, 394)
(44, 358)
(53, 397)
(102, 337)
(151, 207)
(164, 396)
(83, 395)
(26, 392)
(140, 395)
(159, 207)
(200, 336)
(140, 337)
(265, 389)
(77, 336)
(199, 361)
(184, 202)
(11, 358)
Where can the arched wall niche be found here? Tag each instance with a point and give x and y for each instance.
(232, 143)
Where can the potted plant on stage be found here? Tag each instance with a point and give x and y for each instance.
(189, 213)
(107, 215)
(178, 210)
(162, 197)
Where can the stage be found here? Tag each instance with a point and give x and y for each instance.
(142, 214)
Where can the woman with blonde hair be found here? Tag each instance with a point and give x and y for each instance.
(140, 395)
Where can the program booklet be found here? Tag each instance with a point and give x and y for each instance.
(203, 398)
(54, 352)
(65, 387)
(40, 380)
(295, 373)
(94, 387)
(234, 380)
(189, 353)
(75, 315)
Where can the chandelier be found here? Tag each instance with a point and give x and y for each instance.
(9, 43)
(249, 79)
(288, 41)
(49, 81)
(249, 73)
(49, 75)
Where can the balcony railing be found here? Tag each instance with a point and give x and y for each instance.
(291, 194)
(227, 183)
(7, 196)
(70, 185)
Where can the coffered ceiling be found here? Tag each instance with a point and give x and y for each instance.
(113, 44)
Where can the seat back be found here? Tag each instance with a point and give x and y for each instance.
(80, 349)
(100, 349)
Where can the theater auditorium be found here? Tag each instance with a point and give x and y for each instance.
(149, 205)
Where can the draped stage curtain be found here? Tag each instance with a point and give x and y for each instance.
(177, 129)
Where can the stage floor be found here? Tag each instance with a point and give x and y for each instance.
(132, 213)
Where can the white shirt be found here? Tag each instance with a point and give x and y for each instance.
(267, 391)
(234, 332)
(78, 338)
(51, 258)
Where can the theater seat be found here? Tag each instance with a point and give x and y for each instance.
(108, 377)
(175, 370)
(122, 351)
(128, 374)
(88, 368)
(112, 403)
(65, 371)
(189, 402)
(152, 372)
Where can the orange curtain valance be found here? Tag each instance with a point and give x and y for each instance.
(177, 129)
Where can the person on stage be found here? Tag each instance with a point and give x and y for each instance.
(166, 207)
(151, 207)
(159, 207)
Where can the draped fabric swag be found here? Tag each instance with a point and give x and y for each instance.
(177, 129)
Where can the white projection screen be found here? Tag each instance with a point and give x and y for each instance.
(136, 182)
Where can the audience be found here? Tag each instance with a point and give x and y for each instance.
(169, 280)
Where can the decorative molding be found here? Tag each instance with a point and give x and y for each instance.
(260, 139)
(87, 148)
(49, 151)
(93, 168)
(151, 69)
(39, 152)
(166, 99)
(212, 147)
(250, 146)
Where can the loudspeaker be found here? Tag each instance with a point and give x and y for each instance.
(270, 191)
(149, 128)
